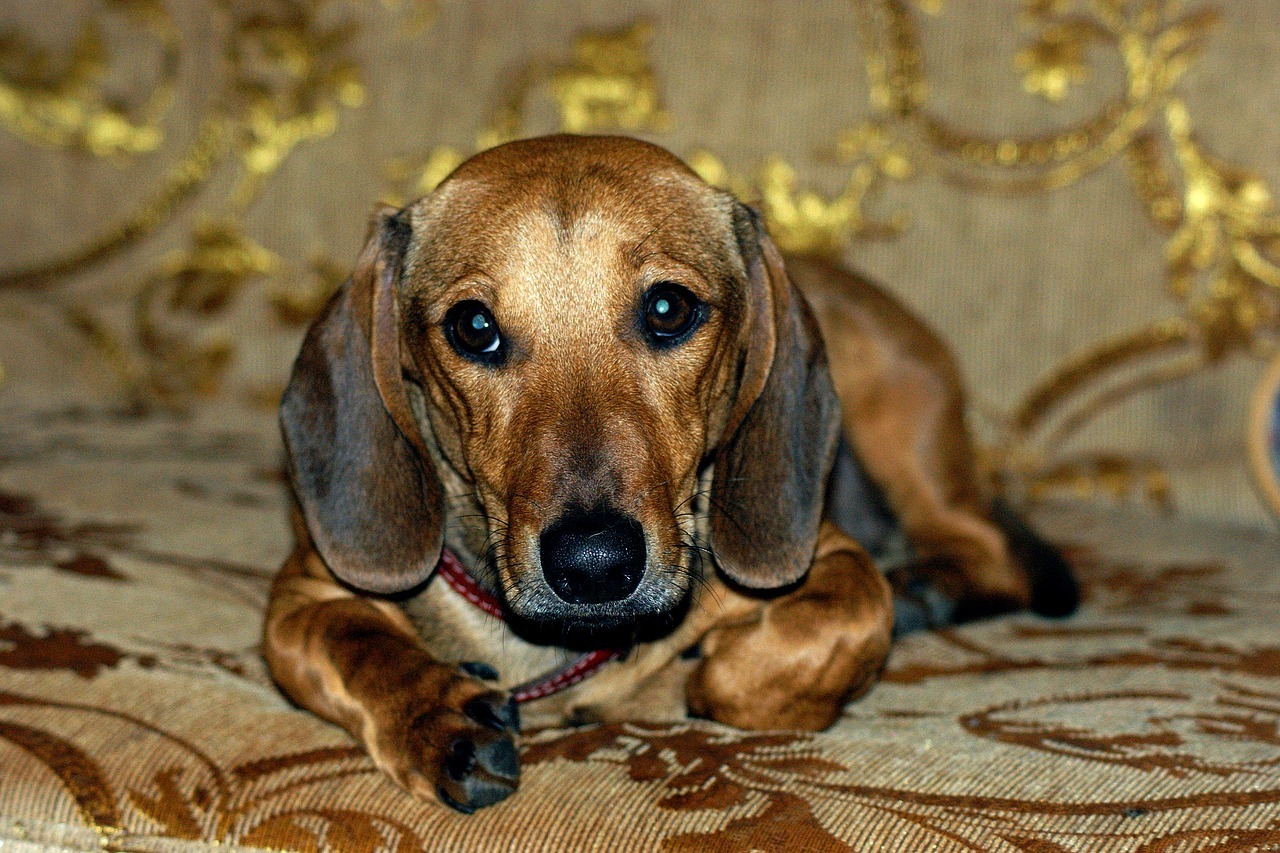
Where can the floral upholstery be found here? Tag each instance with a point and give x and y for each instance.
(1079, 194)
(135, 711)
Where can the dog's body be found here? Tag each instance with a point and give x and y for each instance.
(586, 374)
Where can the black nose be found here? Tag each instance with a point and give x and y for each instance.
(593, 557)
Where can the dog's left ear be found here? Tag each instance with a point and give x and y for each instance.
(773, 462)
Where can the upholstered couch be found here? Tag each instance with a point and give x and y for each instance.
(1076, 193)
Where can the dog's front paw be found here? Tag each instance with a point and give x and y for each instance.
(455, 742)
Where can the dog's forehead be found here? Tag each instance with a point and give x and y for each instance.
(542, 201)
(569, 165)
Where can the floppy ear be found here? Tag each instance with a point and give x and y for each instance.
(772, 465)
(360, 470)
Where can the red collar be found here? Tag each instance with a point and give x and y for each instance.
(586, 665)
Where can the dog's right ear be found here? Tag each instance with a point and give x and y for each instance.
(370, 495)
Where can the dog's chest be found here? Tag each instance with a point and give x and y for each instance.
(456, 631)
(647, 684)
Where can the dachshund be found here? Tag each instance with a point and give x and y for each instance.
(574, 442)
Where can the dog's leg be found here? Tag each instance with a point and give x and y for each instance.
(902, 411)
(437, 731)
(906, 424)
(793, 662)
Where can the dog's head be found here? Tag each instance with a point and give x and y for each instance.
(578, 328)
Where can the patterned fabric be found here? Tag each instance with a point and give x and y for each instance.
(1080, 194)
(135, 712)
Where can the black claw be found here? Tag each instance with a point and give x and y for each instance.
(480, 710)
(501, 759)
(461, 760)
(479, 669)
(483, 794)
(510, 715)
(452, 803)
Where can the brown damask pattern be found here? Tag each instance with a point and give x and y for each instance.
(58, 648)
(1239, 720)
(774, 789)
(135, 714)
(27, 533)
(135, 553)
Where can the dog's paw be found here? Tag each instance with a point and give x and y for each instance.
(480, 763)
(455, 743)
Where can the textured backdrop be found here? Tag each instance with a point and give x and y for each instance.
(1078, 194)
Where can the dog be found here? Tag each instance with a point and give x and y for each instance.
(575, 442)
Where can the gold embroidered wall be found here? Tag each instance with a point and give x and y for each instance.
(1078, 193)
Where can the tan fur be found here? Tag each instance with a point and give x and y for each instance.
(563, 251)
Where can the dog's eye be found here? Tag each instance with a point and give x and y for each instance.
(670, 314)
(471, 330)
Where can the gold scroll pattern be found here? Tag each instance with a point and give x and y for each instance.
(287, 78)
(1222, 225)
(1223, 242)
(61, 101)
(290, 79)
(610, 86)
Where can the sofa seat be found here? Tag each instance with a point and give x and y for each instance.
(136, 714)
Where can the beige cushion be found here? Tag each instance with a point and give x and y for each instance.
(134, 709)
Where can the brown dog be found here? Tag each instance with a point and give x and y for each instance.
(579, 380)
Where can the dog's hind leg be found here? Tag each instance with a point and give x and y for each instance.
(902, 407)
